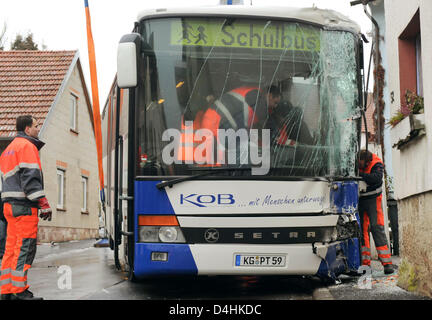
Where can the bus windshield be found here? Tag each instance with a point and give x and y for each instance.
(278, 96)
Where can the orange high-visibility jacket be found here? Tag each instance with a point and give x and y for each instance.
(21, 171)
(237, 114)
(373, 175)
(232, 109)
(189, 141)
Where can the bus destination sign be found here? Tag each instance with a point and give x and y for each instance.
(252, 34)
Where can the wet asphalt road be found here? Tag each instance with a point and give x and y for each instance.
(79, 271)
(94, 277)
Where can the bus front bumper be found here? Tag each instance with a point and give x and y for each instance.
(325, 260)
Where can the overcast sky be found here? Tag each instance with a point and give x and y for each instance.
(61, 25)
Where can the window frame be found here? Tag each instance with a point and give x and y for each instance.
(84, 199)
(73, 121)
(419, 65)
(61, 189)
(410, 65)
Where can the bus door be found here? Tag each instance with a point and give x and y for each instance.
(123, 206)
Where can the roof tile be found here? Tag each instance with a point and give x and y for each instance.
(29, 81)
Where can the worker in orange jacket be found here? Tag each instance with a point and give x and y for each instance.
(232, 111)
(23, 194)
(235, 110)
(370, 210)
(3, 226)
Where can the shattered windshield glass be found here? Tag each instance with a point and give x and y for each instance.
(279, 97)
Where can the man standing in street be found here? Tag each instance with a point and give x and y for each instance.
(370, 210)
(23, 194)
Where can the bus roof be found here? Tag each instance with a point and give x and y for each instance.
(324, 17)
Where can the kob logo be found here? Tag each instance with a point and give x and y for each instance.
(203, 200)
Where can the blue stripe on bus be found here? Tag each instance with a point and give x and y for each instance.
(353, 254)
(151, 200)
(180, 260)
(344, 198)
(333, 264)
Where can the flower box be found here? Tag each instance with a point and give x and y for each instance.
(409, 129)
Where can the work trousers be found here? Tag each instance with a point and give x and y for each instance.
(3, 226)
(20, 247)
(372, 221)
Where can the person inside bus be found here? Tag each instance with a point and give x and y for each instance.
(233, 110)
(230, 111)
(250, 107)
(242, 107)
(286, 123)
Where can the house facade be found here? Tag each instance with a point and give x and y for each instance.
(50, 86)
(408, 42)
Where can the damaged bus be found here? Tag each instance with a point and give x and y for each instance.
(197, 181)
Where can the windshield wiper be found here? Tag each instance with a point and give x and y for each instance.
(206, 172)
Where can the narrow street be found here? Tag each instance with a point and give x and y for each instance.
(77, 270)
(94, 277)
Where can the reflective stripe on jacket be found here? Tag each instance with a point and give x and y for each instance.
(231, 111)
(21, 171)
(240, 93)
(373, 175)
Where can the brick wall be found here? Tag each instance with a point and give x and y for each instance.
(62, 234)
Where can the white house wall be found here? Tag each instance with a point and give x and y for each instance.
(76, 154)
(413, 165)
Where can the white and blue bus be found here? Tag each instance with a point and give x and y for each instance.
(297, 213)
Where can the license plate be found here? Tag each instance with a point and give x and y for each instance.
(259, 260)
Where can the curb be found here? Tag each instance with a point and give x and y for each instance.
(322, 294)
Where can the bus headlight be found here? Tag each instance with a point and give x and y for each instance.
(160, 234)
(159, 228)
(148, 234)
(168, 234)
(171, 234)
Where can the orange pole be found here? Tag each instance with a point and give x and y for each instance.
(95, 97)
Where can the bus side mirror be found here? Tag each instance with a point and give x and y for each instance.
(127, 63)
